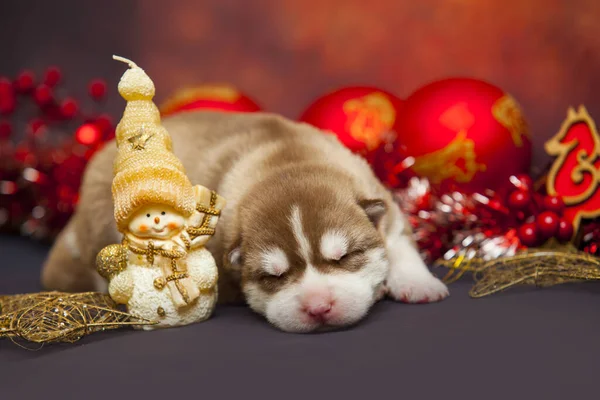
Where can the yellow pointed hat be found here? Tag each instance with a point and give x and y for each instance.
(145, 169)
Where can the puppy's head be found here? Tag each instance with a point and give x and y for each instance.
(310, 257)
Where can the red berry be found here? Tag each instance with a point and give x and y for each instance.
(6, 88)
(7, 106)
(565, 230)
(25, 81)
(5, 129)
(42, 94)
(554, 204)
(52, 76)
(36, 126)
(528, 234)
(7, 97)
(104, 122)
(519, 199)
(69, 108)
(522, 181)
(97, 89)
(547, 223)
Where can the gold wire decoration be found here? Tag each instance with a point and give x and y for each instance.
(542, 267)
(459, 265)
(50, 317)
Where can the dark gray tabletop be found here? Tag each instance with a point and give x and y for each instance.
(523, 344)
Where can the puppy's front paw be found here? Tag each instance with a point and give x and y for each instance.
(422, 288)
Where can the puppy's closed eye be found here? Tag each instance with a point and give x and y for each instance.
(348, 256)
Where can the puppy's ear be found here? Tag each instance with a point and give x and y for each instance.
(374, 208)
(233, 258)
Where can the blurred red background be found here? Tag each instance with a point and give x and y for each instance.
(286, 53)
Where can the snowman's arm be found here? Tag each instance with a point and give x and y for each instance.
(111, 264)
(120, 287)
(203, 270)
(202, 223)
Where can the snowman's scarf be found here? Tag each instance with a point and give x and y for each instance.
(170, 257)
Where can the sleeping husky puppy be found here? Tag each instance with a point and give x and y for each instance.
(309, 237)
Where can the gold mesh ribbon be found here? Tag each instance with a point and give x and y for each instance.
(49, 317)
(538, 267)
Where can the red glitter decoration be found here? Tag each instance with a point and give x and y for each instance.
(44, 148)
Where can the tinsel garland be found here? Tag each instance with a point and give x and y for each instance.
(488, 235)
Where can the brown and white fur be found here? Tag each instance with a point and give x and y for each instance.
(309, 237)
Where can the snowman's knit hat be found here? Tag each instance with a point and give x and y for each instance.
(145, 168)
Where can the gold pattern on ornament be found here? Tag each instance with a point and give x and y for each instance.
(508, 113)
(370, 118)
(456, 161)
(161, 312)
(138, 142)
(51, 317)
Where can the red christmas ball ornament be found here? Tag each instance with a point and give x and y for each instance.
(519, 200)
(528, 234)
(52, 76)
(69, 108)
(547, 223)
(565, 230)
(465, 134)
(361, 117)
(212, 97)
(5, 130)
(97, 89)
(25, 81)
(42, 94)
(554, 204)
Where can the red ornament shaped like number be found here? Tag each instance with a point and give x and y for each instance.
(363, 118)
(465, 134)
(575, 174)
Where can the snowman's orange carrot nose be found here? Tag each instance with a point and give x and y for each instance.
(156, 220)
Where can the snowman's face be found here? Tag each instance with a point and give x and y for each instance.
(156, 221)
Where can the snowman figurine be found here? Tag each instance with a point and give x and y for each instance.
(161, 271)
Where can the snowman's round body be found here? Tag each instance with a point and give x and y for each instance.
(173, 291)
(155, 303)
